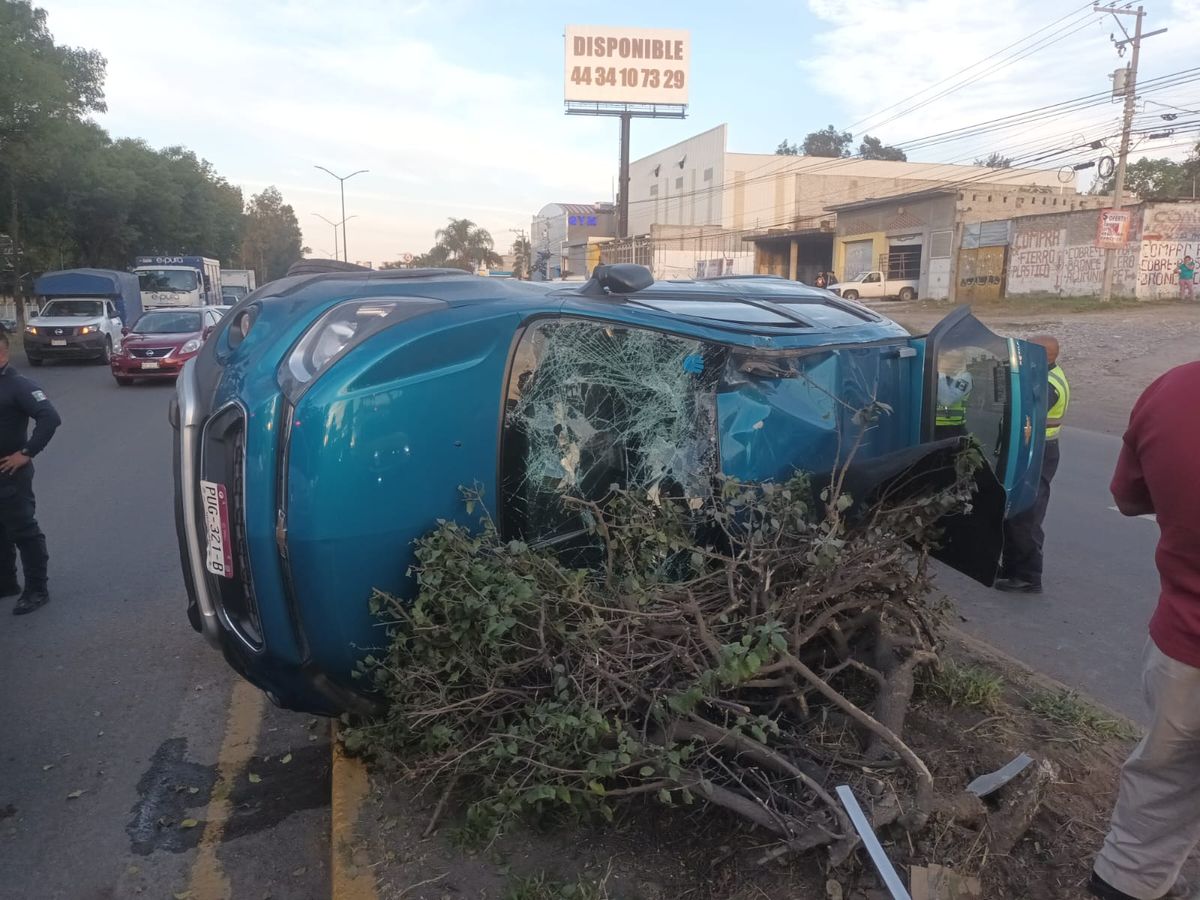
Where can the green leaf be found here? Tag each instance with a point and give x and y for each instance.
(597, 788)
(188, 823)
(75, 795)
(646, 771)
(664, 796)
(255, 779)
(287, 759)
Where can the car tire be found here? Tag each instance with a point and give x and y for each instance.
(34, 361)
(105, 357)
(123, 381)
(908, 294)
(852, 296)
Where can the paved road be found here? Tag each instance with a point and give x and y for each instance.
(1089, 627)
(108, 691)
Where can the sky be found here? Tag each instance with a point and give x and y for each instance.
(456, 106)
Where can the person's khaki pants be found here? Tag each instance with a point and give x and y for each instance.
(1156, 822)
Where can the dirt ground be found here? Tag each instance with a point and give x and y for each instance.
(653, 853)
(1109, 355)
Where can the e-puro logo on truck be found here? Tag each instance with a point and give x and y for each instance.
(160, 260)
(219, 556)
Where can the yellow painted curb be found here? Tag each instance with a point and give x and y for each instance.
(348, 880)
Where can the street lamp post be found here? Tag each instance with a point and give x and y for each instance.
(342, 179)
(335, 228)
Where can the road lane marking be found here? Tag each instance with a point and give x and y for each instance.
(348, 880)
(208, 880)
(1149, 517)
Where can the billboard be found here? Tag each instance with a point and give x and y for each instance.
(1112, 228)
(609, 64)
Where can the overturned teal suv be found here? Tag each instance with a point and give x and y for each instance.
(334, 417)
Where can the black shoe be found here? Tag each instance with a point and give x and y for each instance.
(30, 600)
(1017, 586)
(1098, 887)
(9, 590)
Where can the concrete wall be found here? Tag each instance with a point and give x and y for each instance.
(1057, 254)
(687, 196)
(1170, 231)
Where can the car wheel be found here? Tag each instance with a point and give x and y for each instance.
(908, 294)
(123, 381)
(106, 356)
(34, 361)
(852, 296)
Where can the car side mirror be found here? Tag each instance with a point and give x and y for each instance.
(207, 331)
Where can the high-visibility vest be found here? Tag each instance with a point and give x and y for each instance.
(1054, 416)
(951, 413)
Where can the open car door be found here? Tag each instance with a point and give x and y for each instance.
(992, 388)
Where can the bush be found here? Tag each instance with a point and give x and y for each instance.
(746, 650)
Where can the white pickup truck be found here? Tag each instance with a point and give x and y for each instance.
(876, 286)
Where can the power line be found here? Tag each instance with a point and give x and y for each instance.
(1064, 33)
(966, 69)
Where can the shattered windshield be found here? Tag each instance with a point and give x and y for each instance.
(593, 406)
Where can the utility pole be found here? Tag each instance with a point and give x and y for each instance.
(1110, 255)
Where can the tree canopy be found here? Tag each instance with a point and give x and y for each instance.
(829, 142)
(1159, 179)
(995, 160)
(73, 196)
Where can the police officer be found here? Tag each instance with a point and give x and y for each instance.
(1023, 533)
(20, 401)
(954, 386)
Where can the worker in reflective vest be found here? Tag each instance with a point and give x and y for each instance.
(953, 390)
(1023, 533)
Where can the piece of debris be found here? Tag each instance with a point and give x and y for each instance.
(883, 865)
(993, 781)
(940, 883)
(1008, 825)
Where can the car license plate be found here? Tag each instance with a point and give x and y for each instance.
(218, 557)
(149, 365)
(58, 343)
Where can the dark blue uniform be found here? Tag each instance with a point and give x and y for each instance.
(20, 401)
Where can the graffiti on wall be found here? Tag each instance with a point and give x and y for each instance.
(1035, 259)
(1065, 260)
(1156, 273)
(1176, 222)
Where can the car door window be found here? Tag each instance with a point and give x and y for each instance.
(873, 278)
(591, 406)
(970, 374)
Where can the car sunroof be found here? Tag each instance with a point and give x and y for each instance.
(734, 311)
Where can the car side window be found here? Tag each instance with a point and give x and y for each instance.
(873, 278)
(112, 310)
(593, 406)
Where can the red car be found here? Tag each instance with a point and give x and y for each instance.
(161, 341)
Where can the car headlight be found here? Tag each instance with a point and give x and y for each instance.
(338, 331)
(191, 346)
(30, 329)
(89, 329)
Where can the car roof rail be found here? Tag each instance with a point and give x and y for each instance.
(320, 266)
(619, 278)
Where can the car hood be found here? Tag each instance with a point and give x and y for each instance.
(64, 321)
(161, 338)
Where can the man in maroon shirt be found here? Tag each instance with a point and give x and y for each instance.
(1156, 822)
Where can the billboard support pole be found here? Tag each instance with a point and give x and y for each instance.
(623, 178)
